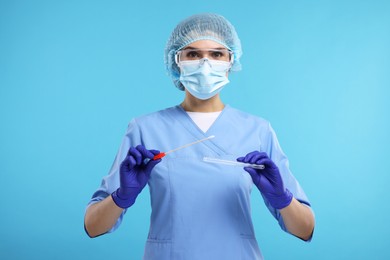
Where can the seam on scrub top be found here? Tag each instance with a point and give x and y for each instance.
(221, 150)
(170, 206)
(139, 131)
(193, 123)
(247, 236)
(226, 108)
(218, 118)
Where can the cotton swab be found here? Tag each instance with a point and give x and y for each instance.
(163, 154)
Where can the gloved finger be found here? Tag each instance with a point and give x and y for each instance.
(128, 163)
(249, 156)
(258, 157)
(155, 152)
(267, 162)
(150, 165)
(240, 159)
(145, 152)
(136, 155)
(253, 173)
(132, 162)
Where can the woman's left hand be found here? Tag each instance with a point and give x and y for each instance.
(268, 181)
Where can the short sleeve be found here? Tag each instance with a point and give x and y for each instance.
(111, 181)
(275, 152)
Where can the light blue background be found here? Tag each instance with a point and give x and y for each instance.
(73, 73)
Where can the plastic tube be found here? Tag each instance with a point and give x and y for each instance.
(233, 163)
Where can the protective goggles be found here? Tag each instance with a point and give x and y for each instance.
(192, 54)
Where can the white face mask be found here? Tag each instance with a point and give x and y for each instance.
(204, 78)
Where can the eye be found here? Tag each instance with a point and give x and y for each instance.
(192, 54)
(217, 54)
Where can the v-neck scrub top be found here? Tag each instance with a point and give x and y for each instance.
(201, 210)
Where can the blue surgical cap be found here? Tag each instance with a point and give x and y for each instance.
(205, 26)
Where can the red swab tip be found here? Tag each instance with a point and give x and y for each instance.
(158, 156)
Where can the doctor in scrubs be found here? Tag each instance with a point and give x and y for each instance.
(201, 210)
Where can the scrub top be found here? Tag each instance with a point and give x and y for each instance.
(201, 210)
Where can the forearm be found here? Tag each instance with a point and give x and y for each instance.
(298, 219)
(101, 217)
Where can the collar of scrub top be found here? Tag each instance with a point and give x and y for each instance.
(180, 115)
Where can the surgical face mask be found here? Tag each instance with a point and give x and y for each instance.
(204, 78)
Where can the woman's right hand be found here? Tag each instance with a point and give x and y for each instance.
(134, 173)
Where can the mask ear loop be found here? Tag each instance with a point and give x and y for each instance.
(231, 61)
(177, 58)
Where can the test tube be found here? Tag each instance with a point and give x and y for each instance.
(233, 163)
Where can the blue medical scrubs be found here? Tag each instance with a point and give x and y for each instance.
(201, 210)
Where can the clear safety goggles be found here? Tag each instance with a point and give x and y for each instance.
(191, 66)
(192, 54)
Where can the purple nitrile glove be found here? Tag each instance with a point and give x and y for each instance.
(134, 173)
(268, 181)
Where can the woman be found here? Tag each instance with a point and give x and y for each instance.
(200, 210)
